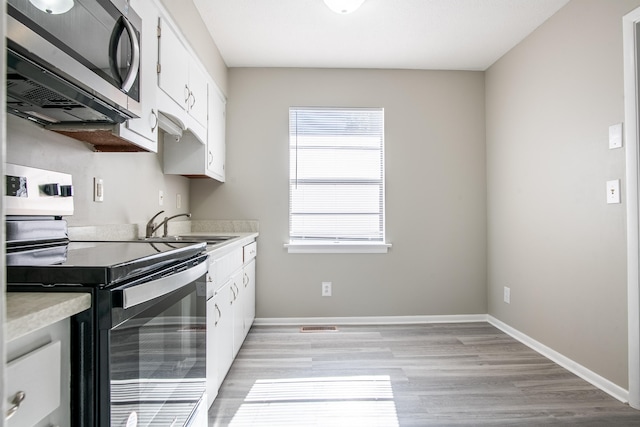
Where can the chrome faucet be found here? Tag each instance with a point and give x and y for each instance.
(166, 222)
(151, 226)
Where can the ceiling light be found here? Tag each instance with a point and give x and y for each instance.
(343, 6)
(54, 7)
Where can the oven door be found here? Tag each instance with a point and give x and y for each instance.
(156, 350)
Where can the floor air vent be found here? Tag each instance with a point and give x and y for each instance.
(319, 329)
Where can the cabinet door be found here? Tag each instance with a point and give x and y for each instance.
(198, 94)
(223, 324)
(216, 134)
(238, 311)
(173, 60)
(213, 318)
(36, 378)
(249, 294)
(147, 125)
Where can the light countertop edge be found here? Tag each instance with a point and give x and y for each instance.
(30, 311)
(238, 240)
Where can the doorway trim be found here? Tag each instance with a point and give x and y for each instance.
(631, 46)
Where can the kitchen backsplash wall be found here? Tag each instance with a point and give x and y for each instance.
(132, 181)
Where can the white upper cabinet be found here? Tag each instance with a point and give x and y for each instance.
(188, 156)
(216, 146)
(172, 65)
(198, 94)
(190, 106)
(183, 83)
(147, 125)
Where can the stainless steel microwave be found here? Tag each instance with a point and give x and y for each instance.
(76, 64)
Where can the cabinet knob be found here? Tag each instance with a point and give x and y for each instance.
(18, 398)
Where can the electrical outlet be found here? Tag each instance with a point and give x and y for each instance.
(613, 191)
(507, 295)
(326, 289)
(160, 198)
(178, 201)
(98, 190)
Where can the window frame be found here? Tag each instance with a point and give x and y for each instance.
(341, 244)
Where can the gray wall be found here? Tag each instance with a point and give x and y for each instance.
(131, 180)
(435, 194)
(551, 236)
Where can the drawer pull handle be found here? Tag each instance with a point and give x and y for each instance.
(17, 400)
(219, 315)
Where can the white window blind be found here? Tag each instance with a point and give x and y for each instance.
(336, 185)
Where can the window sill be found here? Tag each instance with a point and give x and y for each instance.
(337, 248)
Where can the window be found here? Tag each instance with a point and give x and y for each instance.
(336, 180)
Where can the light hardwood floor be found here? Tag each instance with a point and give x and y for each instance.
(405, 375)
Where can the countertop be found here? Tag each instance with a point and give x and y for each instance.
(236, 240)
(27, 311)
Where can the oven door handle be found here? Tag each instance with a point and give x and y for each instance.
(165, 285)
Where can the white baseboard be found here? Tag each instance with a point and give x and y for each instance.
(570, 365)
(369, 320)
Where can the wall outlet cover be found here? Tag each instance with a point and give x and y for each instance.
(615, 136)
(326, 289)
(613, 191)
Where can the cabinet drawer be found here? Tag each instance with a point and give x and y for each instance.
(226, 266)
(250, 251)
(38, 375)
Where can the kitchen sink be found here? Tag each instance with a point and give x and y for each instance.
(210, 240)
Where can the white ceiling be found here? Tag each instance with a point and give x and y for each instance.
(401, 34)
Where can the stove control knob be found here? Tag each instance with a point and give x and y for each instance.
(51, 189)
(66, 190)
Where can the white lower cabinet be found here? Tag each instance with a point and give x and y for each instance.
(230, 312)
(249, 294)
(37, 378)
(237, 309)
(223, 333)
(34, 385)
(212, 369)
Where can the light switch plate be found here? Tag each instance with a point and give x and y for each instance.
(615, 136)
(613, 191)
(98, 190)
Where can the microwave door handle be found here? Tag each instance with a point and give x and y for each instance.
(135, 57)
(121, 25)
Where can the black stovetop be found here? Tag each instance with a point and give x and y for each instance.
(93, 263)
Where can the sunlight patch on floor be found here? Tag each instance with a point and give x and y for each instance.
(323, 401)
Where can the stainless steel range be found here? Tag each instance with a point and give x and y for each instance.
(138, 355)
